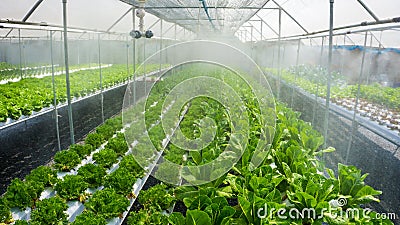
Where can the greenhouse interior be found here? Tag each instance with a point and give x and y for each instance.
(200, 112)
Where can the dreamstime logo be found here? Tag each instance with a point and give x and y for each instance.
(340, 202)
(202, 84)
(334, 211)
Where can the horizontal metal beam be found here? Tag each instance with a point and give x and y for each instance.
(363, 24)
(16, 37)
(194, 19)
(347, 33)
(45, 26)
(197, 7)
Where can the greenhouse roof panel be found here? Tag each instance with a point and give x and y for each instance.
(207, 15)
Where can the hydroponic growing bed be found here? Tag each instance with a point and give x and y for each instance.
(97, 182)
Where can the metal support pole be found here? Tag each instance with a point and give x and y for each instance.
(79, 51)
(273, 56)
(328, 92)
(297, 71)
(144, 66)
(89, 53)
(101, 79)
(24, 57)
(321, 61)
(127, 57)
(134, 56)
(370, 60)
(342, 58)
(353, 122)
(251, 33)
(54, 92)
(175, 32)
(20, 53)
(261, 30)
(161, 43)
(251, 40)
(70, 119)
(279, 54)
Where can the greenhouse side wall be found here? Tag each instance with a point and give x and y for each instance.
(369, 151)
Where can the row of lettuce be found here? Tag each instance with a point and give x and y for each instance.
(11, 72)
(100, 173)
(314, 79)
(32, 95)
(118, 184)
(290, 177)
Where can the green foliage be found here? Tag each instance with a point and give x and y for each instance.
(107, 203)
(44, 175)
(121, 181)
(106, 131)
(66, 160)
(31, 94)
(216, 208)
(19, 194)
(164, 171)
(105, 158)
(193, 217)
(89, 218)
(197, 217)
(130, 164)
(21, 222)
(157, 135)
(115, 123)
(95, 140)
(92, 174)
(174, 154)
(118, 144)
(308, 78)
(81, 150)
(143, 153)
(156, 198)
(50, 212)
(177, 218)
(71, 188)
(351, 184)
(289, 177)
(144, 217)
(5, 213)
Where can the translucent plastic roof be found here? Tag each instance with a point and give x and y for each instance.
(207, 15)
(227, 16)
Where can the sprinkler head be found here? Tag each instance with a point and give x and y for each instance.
(135, 34)
(149, 34)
